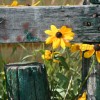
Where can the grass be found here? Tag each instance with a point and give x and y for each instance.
(46, 2)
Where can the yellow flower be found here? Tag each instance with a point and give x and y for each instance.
(14, 3)
(59, 37)
(93, 49)
(56, 61)
(47, 55)
(75, 47)
(83, 97)
(85, 47)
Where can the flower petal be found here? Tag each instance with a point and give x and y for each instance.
(68, 37)
(49, 40)
(56, 43)
(64, 29)
(54, 29)
(71, 34)
(14, 3)
(98, 56)
(49, 32)
(83, 97)
(75, 47)
(68, 44)
(63, 44)
(43, 57)
(89, 53)
(84, 47)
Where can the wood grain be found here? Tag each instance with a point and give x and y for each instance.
(27, 81)
(38, 19)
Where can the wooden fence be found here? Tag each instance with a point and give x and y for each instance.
(27, 24)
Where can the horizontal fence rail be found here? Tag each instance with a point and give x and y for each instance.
(27, 24)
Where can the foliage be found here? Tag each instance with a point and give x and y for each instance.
(3, 93)
(39, 2)
(65, 74)
(65, 77)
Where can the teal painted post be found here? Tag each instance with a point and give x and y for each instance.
(87, 2)
(95, 1)
(27, 81)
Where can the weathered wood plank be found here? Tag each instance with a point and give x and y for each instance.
(26, 84)
(93, 84)
(8, 82)
(27, 81)
(14, 84)
(91, 70)
(27, 24)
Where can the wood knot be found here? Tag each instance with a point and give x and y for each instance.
(87, 23)
(95, 15)
(98, 28)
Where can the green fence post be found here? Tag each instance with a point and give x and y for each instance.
(95, 1)
(27, 81)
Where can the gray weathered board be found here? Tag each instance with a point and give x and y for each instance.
(27, 24)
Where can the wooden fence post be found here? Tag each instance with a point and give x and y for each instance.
(92, 85)
(27, 81)
(95, 1)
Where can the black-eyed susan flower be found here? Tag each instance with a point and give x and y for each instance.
(14, 3)
(91, 50)
(59, 37)
(50, 55)
(83, 97)
(76, 47)
(47, 55)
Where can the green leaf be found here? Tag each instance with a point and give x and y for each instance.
(63, 81)
(63, 62)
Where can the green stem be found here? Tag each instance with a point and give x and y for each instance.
(69, 86)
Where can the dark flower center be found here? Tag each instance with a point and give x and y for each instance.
(58, 34)
(97, 47)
